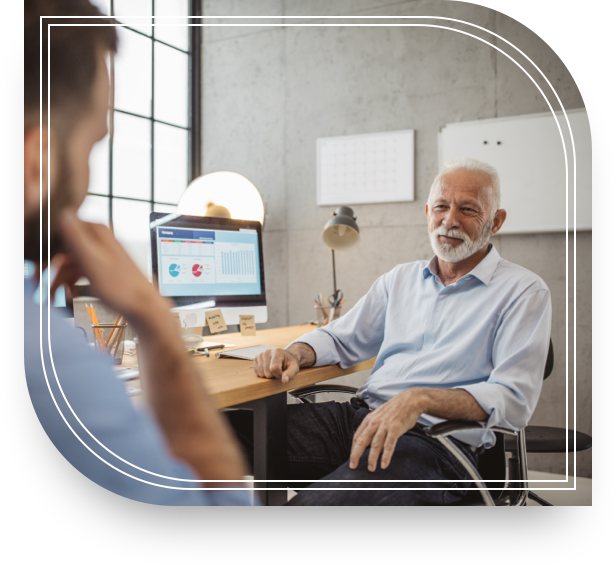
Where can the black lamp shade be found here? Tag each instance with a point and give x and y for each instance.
(341, 232)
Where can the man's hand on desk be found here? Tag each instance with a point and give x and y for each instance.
(381, 428)
(284, 364)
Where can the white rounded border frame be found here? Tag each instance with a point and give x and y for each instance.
(567, 181)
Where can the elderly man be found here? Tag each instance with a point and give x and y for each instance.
(463, 337)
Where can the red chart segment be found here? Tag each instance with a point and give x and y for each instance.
(197, 270)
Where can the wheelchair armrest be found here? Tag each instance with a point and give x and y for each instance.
(315, 389)
(449, 427)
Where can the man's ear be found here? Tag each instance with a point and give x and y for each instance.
(35, 140)
(499, 219)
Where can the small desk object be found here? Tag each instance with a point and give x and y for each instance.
(232, 383)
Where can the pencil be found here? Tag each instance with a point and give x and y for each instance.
(115, 334)
(93, 323)
(109, 341)
(339, 306)
(118, 342)
(98, 331)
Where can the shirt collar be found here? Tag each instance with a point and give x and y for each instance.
(484, 271)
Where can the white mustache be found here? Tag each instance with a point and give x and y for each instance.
(451, 232)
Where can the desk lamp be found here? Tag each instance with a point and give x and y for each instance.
(223, 195)
(340, 233)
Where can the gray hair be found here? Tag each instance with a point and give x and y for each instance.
(470, 164)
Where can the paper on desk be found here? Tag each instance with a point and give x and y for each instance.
(215, 320)
(247, 325)
(209, 343)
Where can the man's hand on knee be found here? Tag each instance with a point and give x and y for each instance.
(276, 364)
(381, 429)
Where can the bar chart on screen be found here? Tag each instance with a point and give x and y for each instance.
(235, 263)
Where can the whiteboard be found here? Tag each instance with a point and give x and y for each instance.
(528, 154)
(366, 169)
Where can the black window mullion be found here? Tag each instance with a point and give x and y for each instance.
(131, 198)
(194, 89)
(172, 46)
(146, 118)
(153, 39)
(194, 122)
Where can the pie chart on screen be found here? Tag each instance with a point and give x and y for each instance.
(197, 270)
(174, 269)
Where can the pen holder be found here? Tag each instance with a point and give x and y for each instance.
(109, 339)
(326, 314)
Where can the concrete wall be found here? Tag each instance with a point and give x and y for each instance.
(270, 92)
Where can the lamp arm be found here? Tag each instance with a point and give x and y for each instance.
(334, 270)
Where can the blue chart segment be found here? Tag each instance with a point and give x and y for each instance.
(238, 263)
(174, 270)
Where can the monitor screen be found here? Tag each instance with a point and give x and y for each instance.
(198, 259)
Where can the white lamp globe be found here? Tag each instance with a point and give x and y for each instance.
(222, 194)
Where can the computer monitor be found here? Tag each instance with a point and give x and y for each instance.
(202, 262)
(61, 304)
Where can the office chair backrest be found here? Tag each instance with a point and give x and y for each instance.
(549, 362)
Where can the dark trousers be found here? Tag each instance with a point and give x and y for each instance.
(319, 445)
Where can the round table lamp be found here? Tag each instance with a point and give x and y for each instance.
(224, 195)
(340, 233)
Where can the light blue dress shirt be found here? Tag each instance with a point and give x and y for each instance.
(88, 416)
(488, 333)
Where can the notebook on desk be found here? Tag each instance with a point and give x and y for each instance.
(248, 353)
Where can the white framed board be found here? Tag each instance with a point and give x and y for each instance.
(528, 153)
(366, 169)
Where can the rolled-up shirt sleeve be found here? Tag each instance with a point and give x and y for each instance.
(358, 335)
(519, 354)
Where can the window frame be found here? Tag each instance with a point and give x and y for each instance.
(193, 103)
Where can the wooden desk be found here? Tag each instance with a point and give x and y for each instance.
(232, 383)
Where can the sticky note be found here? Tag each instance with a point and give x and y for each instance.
(215, 321)
(247, 325)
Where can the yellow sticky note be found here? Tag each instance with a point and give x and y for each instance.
(247, 325)
(215, 321)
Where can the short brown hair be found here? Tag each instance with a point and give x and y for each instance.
(73, 51)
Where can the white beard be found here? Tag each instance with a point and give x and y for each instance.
(447, 252)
